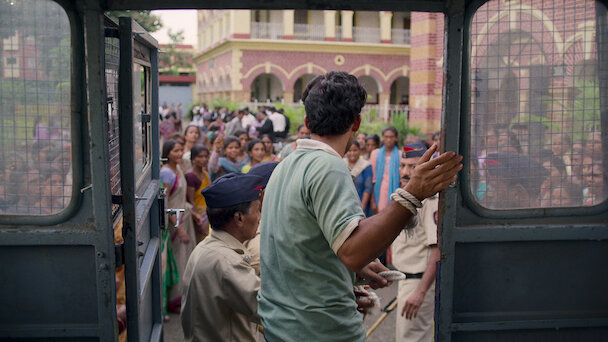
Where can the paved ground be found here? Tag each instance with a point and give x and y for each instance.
(384, 333)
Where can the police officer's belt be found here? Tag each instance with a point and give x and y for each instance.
(413, 275)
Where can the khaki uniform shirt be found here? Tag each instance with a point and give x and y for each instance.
(253, 247)
(219, 301)
(411, 248)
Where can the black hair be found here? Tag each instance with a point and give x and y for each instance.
(229, 140)
(391, 129)
(196, 150)
(300, 127)
(332, 102)
(373, 137)
(436, 134)
(267, 136)
(167, 147)
(359, 133)
(240, 132)
(219, 218)
(214, 136)
(253, 142)
(555, 161)
(198, 129)
(356, 143)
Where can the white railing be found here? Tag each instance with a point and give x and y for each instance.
(400, 36)
(309, 32)
(261, 30)
(366, 34)
(385, 113)
(339, 33)
(369, 113)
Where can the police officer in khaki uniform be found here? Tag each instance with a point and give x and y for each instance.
(415, 253)
(219, 298)
(263, 170)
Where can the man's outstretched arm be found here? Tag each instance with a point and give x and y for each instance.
(375, 234)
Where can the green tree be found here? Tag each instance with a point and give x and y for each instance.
(146, 19)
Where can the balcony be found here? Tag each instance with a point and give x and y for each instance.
(309, 32)
(261, 30)
(400, 36)
(366, 34)
(274, 30)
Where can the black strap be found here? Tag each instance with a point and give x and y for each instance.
(413, 275)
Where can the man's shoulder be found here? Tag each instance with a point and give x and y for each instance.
(214, 250)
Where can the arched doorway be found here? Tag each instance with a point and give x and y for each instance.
(372, 88)
(400, 91)
(300, 85)
(266, 87)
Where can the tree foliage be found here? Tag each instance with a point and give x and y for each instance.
(146, 19)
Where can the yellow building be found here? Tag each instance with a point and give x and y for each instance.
(261, 55)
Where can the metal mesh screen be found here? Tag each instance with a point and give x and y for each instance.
(35, 106)
(536, 125)
(112, 58)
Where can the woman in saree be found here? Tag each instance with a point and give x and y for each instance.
(179, 242)
(191, 136)
(198, 179)
(269, 144)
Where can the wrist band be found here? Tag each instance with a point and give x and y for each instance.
(403, 193)
(404, 203)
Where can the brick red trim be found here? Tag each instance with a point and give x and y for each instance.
(347, 39)
(289, 37)
(330, 39)
(176, 79)
(386, 41)
(240, 36)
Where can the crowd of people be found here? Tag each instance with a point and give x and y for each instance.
(227, 272)
(218, 148)
(37, 177)
(552, 172)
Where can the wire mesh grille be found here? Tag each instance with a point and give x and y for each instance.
(35, 106)
(112, 59)
(536, 124)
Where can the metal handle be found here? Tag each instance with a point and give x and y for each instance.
(178, 214)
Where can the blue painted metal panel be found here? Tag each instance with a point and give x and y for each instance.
(176, 95)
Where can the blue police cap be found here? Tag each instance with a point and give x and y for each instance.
(514, 166)
(412, 150)
(263, 170)
(232, 189)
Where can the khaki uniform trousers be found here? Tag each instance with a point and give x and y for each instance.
(421, 327)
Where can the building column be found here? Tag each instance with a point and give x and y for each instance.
(240, 24)
(384, 99)
(385, 27)
(288, 22)
(288, 96)
(329, 23)
(240, 95)
(215, 36)
(347, 25)
(426, 77)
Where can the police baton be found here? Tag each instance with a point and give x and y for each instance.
(385, 312)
